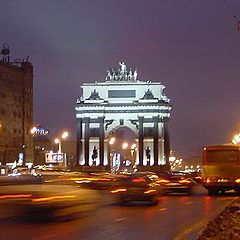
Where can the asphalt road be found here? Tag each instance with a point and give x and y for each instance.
(174, 218)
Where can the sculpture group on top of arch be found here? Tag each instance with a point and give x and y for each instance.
(122, 74)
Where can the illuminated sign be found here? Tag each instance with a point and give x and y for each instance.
(39, 131)
(54, 157)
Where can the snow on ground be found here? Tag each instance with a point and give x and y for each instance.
(225, 226)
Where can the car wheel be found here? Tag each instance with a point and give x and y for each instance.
(189, 193)
(238, 191)
(222, 192)
(212, 192)
(154, 201)
(122, 201)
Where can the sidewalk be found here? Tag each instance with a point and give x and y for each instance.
(225, 226)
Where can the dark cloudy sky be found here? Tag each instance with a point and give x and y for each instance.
(191, 46)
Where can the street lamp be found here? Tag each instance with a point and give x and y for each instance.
(112, 140)
(125, 145)
(133, 147)
(64, 135)
(33, 130)
(59, 142)
(236, 139)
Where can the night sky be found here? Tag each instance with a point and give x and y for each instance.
(191, 46)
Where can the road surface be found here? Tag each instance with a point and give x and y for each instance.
(174, 218)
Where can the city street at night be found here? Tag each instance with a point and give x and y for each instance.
(175, 217)
(119, 120)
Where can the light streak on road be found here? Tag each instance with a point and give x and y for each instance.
(162, 209)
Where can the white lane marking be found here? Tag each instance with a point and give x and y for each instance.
(187, 203)
(120, 219)
(162, 209)
(190, 229)
(45, 237)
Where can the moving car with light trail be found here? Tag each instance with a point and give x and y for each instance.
(46, 201)
(137, 187)
(174, 183)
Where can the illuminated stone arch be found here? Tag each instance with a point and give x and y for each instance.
(123, 100)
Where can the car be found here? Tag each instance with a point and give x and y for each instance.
(139, 186)
(175, 183)
(19, 178)
(196, 176)
(95, 181)
(44, 202)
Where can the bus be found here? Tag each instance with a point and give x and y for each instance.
(221, 168)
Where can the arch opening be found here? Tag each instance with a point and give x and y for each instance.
(122, 149)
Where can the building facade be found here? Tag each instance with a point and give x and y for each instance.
(123, 101)
(16, 109)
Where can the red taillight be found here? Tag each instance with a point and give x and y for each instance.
(11, 196)
(137, 180)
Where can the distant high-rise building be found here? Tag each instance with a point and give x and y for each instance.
(16, 109)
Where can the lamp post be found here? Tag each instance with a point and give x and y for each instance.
(236, 139)
(59, 142)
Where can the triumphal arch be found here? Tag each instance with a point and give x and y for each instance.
(122, 100)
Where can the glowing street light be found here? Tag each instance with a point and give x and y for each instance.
(236, 139)
(33, 130)
(64, 135)
(124, 145)
(58, 141)
(133, 146)
(112, 140)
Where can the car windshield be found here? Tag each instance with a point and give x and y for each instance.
(164, 174)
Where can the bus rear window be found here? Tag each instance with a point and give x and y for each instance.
(221, 156)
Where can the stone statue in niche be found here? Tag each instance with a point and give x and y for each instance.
(94, 155)
(148, 154)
